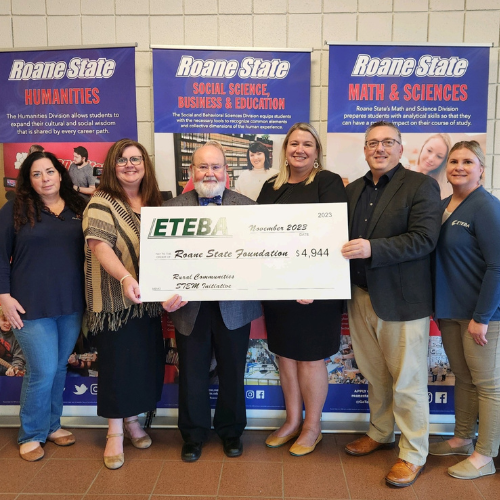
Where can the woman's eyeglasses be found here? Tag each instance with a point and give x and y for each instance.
(135, 160)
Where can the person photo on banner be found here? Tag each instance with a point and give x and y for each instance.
(83, 360)
(82, 173)
(467, 295)
(41, 245)
(250, 181)
(128, 333)
(12, 360)
(432, 160)
(34, 148)
(302, 333)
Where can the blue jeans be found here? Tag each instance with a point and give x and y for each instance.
(47, 344)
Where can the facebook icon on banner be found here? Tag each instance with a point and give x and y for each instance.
(441, 401)
(441, 397)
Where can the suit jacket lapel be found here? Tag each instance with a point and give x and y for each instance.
(227, 197)
(390, 190)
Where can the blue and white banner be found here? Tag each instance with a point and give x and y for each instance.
(230, 91)
(77, 95)
(436, 96)
(237, 97)
(420, 89)
(59, 100)
(242, 98)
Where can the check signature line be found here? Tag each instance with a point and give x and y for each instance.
(304, 288)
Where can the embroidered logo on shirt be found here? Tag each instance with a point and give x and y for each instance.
(460, 223)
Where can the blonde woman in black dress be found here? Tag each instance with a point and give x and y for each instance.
(302, 333)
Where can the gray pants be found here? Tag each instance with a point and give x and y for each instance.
(477, 383)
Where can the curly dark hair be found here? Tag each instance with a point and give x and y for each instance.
(28, 204)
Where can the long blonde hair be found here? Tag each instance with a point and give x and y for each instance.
(438, 172)
(284, 169)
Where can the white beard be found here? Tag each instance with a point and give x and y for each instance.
(208, 189)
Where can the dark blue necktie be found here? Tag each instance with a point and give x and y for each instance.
(217, 200)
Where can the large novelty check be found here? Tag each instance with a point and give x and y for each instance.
(244, 252)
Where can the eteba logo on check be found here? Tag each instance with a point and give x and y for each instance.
(193, 227)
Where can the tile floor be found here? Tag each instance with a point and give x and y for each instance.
(77, 472)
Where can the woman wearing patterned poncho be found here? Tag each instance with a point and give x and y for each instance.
(129, 336)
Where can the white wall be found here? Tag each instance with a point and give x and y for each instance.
(259, 23)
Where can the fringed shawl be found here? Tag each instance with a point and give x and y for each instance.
(114, 222)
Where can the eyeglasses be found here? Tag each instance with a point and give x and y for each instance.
(387, 143)
(135, 160)
(206, 168)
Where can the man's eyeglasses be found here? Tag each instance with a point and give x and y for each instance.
(206, 168)
(387, 143)
(135, 160)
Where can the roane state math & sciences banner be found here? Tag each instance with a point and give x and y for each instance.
(437, 96)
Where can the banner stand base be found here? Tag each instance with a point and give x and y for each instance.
(170, 422)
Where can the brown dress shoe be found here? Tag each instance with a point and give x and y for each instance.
(366, 445)
(403, 473)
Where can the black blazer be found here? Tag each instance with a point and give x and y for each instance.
(403, 232)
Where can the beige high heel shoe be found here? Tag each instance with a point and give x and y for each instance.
(115, 461)
(142, 442)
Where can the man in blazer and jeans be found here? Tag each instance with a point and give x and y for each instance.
(201, 328)
(394, 223)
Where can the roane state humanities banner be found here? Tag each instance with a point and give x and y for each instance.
(62, 99)
(437, 96)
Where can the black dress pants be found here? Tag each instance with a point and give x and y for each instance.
(195, 354)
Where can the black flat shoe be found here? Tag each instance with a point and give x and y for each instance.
(233, 447)
(191, 452)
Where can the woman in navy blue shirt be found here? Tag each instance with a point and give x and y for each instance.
(41, 291)
(468, 308)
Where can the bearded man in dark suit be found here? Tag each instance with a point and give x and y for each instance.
(204, 327)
